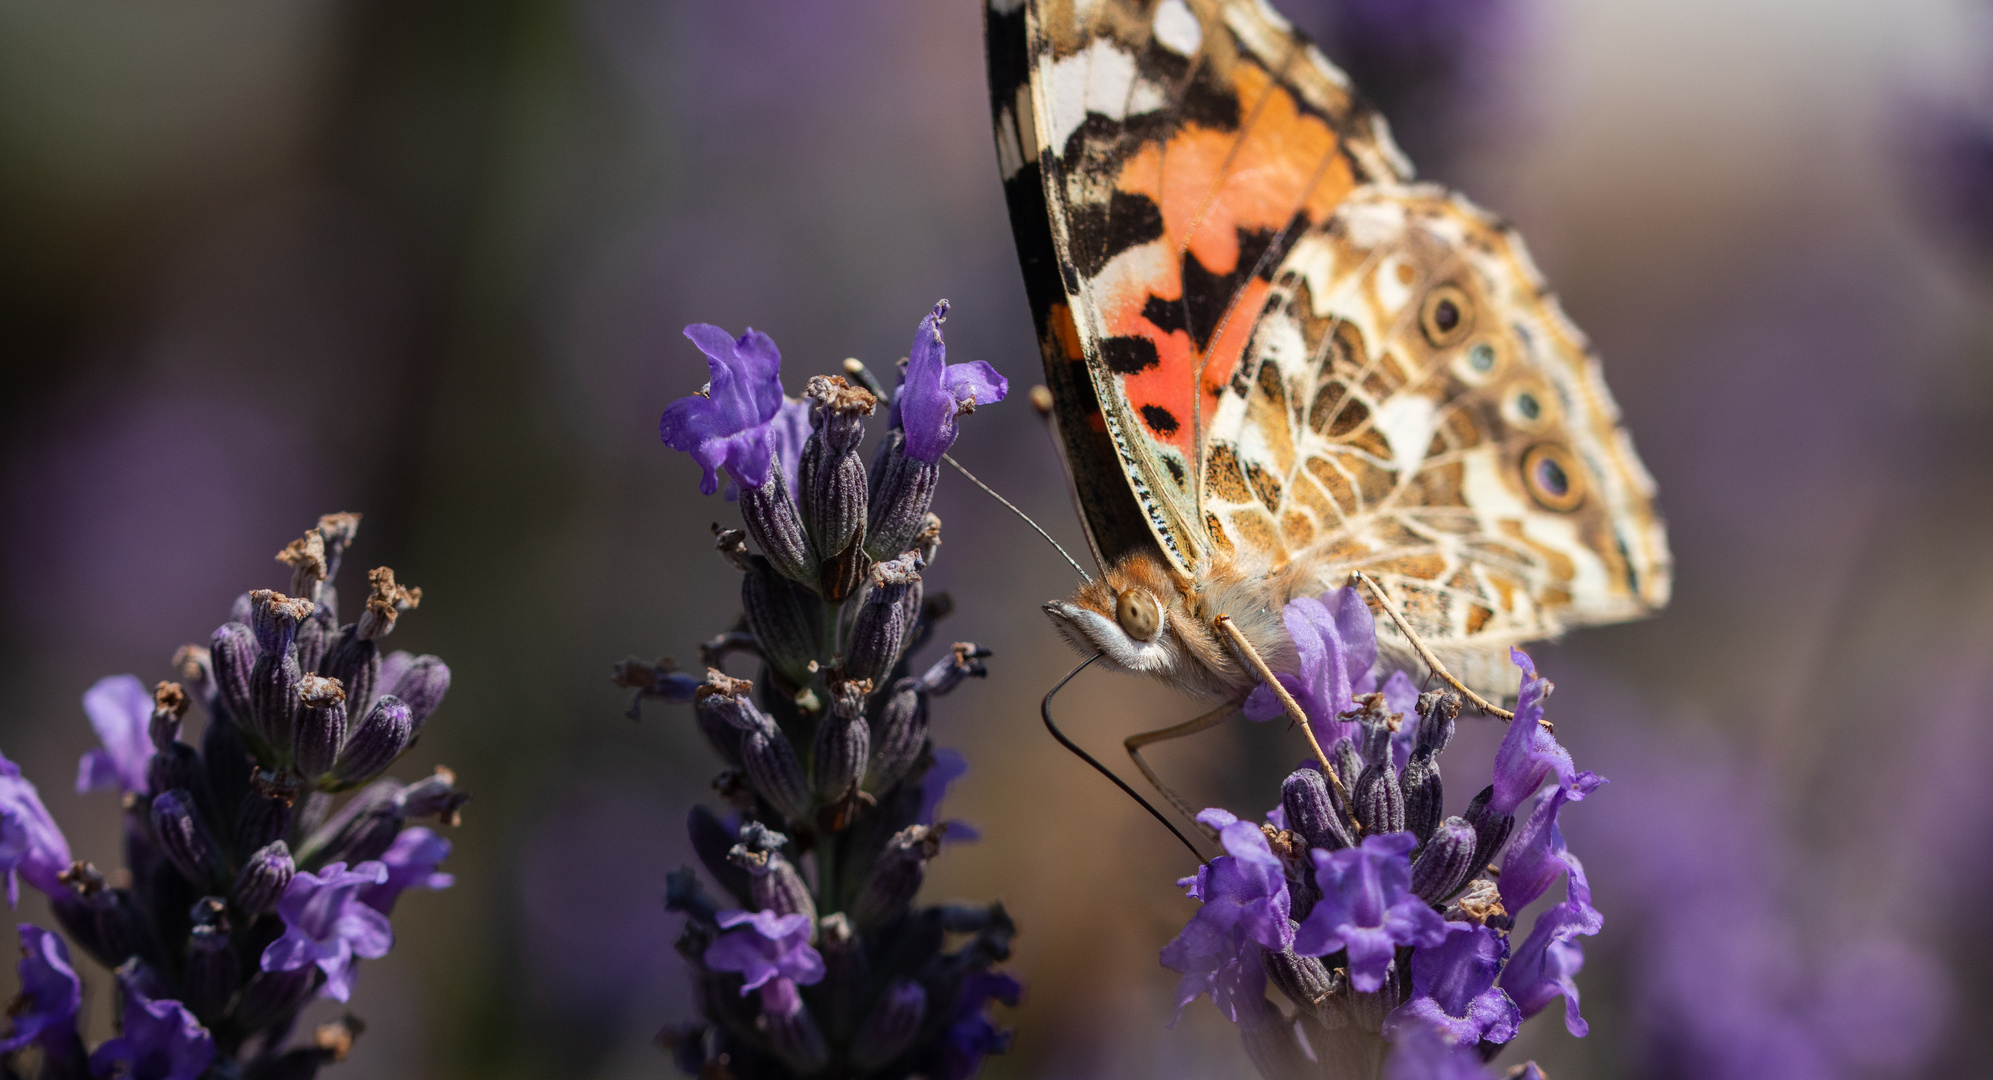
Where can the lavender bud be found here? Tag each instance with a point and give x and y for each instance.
(831, 483)
(770, 517)
(263, 878)
(213, 975)
(320, 725)
(846, 969)
(310, 812)
(1312, 811)
(725, 713)
(419, 681)
(1306, 981)
(793, 1034)
(232, 653)
(1446, 862)
(175, 765)
(898, 736)
(1348, 763)
(1490, 829)
(787, 620)
(1375, 726)
(902, 488)
(927, 541)
(356, 662)
(773, 884)
(363, 829)
(1438, 709)
(711, 841)
(273, 681)
(895, 1020)
(897, 875)
(265, 811)
(771, 766)
(105, 922)
(374, 745)
(169, 704)
(272, 996)
(1379, 805)
(183, 838)
(435, 795)
(314, 639)
(884, 620)
(963, 661)
(306, 558)
(1424, 796)
(386, 600)
(844, 742)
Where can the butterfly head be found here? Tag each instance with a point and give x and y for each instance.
(1136, 617)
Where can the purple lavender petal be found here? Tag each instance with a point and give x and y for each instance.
(729, 425)
(50, 992)
(1367, 907)
(1528, 754)
(933, 393)
(159, 1039)
(326, 923)
(1420, 1053)
(411, 863)
(31, 845)
(1245, 907)
(120, 709)
(1537, 854)
(1454, 991)
(762, 945)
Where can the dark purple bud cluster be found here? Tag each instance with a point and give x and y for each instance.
(830, 767)
(249, 887)
(1383, 921)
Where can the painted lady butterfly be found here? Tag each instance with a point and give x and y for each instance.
(1275, 360)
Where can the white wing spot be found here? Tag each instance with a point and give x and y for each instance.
(1177, 28)
(1406, 420)
(1010, 155)
(1100, 79)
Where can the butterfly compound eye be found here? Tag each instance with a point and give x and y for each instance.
(1138, 614)
(1446, 315)
(1552, 478)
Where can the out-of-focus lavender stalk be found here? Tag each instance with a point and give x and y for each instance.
(814, 959)
(245, 891)
(1384, 922)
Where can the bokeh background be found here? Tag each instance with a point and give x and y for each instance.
(429, 262)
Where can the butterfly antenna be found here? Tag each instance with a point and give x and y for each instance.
(1026, 518)
(1045, 710)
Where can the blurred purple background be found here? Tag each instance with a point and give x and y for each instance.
(430, 262)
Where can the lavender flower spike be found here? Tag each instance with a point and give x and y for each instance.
(771, 952)
(935, 392)
(31, 845)
(1246, 904)
(159, 1040)
(1367, 907)
(45, 1013)
(326, 923)
(120, 709)
(728, 423)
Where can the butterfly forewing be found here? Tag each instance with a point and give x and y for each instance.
(1266, 345)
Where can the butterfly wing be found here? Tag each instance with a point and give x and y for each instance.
(1229, 272)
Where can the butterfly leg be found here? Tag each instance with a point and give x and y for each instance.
(1419, 646)
(1136, 742)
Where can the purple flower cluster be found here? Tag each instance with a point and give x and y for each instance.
(240, 903)
(827, 748)
(1380, 919)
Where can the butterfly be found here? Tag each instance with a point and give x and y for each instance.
(1275, 359)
